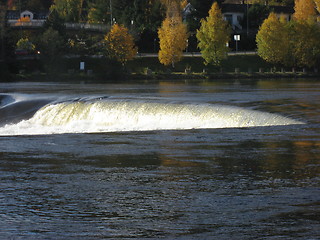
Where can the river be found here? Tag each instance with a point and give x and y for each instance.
(170, 160)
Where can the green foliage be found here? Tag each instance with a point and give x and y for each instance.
(51, 44)
(145, 15)
(55, 22)
(83, 43)
(202, 8)
(99, 11)
(257, 14)
(212, 36)
(25, 44)
(69, 10)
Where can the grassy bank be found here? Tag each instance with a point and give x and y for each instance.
(142, 68)
(196, 65)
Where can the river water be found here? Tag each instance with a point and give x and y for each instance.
(191, 160)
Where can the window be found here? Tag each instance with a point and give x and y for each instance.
(228, 18)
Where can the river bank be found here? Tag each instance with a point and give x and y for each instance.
(149, 69)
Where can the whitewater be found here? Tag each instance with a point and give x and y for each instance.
(102, 114)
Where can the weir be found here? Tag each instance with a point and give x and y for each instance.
(105, 115)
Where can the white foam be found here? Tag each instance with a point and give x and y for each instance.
(114, 116)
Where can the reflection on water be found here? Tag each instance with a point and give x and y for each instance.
(248, 183)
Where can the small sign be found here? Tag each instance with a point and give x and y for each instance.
(82, 66)
(237, 37)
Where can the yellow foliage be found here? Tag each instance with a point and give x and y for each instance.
(120, 44)
(25, 44)
(173, 40)
(183, 3)
(317, 2)
(304, 9)
(174, 7)
(306, 43)
(273, 40)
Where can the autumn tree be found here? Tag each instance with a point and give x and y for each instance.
(173, 34)
(273, 41)
(304, 9)
(306, 42)
(173, 37)
(213, 36)
(306, 33)
(25, 44)
(295, 43)
(120, 44)
(317, 2)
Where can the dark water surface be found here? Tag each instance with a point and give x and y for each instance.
(223, 183)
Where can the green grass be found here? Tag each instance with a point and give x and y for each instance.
(243, 62)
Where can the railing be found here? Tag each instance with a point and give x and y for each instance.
(39, 23)
(88, 26)
(33, 24)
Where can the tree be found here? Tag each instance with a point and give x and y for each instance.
(51, 44)
(38, 5)
(305, 33)
(99, 11)
(173, 40)
(69, 10)
(120, 44)
(273, 41)
(317, 2)
(306, 42)
(304, 9)
(141, 14)
(56, 22)
(257, 14)
(25, 44)
(213, 36)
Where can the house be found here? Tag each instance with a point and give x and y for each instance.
(26, 17)
(234, 13)
(188, 10)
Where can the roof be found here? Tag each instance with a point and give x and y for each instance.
(15, 14)
(239, 8)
